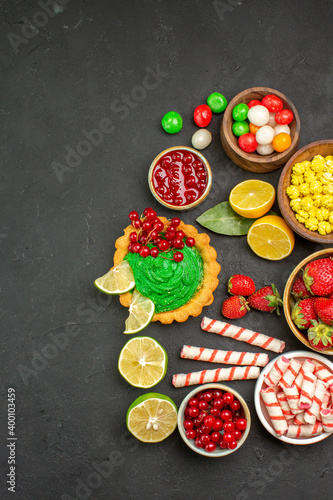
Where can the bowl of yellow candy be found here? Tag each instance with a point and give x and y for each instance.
(305, 192)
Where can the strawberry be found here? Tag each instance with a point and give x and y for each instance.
(303, 313)
(266, 299)
(320, 336)
(299, 289)
(318, 276)
(234, 307)
(324, 309)
(239, 284)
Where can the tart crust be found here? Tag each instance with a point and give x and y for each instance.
(204, 295)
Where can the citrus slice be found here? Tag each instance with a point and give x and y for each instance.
(118, 280)
(252, 198)
(143, 362)
(271, 238)
(152, 417)
(141, 312)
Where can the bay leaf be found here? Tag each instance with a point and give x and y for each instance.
(222, 219)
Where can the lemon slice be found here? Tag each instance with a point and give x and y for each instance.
(118, 280)
(152, 417)
(141, 312)
(271, 238)
(252, 198)
(143, 362)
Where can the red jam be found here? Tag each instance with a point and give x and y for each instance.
(179, 177)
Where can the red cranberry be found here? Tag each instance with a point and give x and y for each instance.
(146, 225)
(235, 405)
(215, 412)
(226, 415)
(170, 233)
(163, 245)
(150, 214)
(205, 438)
(208, 396)
(145, 252)
(193, 411)
(228, 437)
(216, 437)
(198, 443)
(175, 221)
(237, 434)
(218, 425)
(223, 444)
(136, 247)
(228, 397)
(158, 225)
(188, 424)
(241, 424)
(229, 426)
(232, 445)
(178, 243)
(218, 403)
(180, 234)
(154, 252)
(203, 405)
(210, 447)
(136, 223)
(193, 402)
(178, 256)
(191, 434)
(133, 215)
(209, 421)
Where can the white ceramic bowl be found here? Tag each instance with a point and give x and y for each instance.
(261, 409)
(219, 452)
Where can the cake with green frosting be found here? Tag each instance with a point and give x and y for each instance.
(178, 289)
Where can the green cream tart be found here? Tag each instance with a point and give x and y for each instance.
(167, 283)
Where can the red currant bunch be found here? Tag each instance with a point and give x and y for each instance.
(162, 237)
(214, 418)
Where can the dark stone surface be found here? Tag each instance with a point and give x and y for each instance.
(58, 231)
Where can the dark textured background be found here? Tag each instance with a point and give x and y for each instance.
(58, 232)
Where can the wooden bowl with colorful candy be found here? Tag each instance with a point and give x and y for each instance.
(260, 129)
(305, 192)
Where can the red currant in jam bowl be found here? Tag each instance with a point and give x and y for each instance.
(211, 423)
(180, 178)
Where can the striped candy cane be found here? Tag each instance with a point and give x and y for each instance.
(276, 372)
(307, 366)
(308, 430)
(224, 357)
(307, 391)
(291, 373)
(292, 396)
(312, 414)
(281, 397)
(321, 372)
(242, 334)
(327, 419)
(274, 410)
(219, 375)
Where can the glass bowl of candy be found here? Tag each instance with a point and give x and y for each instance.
(309, 320)
(180, 178)
(305, 192)
(260, 129)
(214, 420)
(293, 399)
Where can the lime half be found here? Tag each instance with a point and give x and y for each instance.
(118, 280)
(141, 312)
(143, 362)
(152, 417)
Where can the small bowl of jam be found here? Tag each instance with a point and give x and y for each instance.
(180, 178)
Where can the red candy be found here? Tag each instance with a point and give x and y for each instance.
(247, 143)
(202, 115)
(284, 117)
(254, 102)
(272, 103)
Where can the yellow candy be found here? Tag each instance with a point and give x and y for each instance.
(311, 223)
(324, 228)
(292, 192)
(304, 189)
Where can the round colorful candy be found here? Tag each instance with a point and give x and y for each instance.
(265, 149)
(258, 115)
(272, 102)
(284, 117)
(281, 142)
(254, 102)
(217, 102)
(202, 115)
(253, 128)
(265, 135)
(271, 122)
(281, 128)
(240, 111)
(201, 138)
(240, 128)
(247, 143)
(172, 122)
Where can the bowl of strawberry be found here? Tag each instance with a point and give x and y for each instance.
(214, 420)
(308, 301)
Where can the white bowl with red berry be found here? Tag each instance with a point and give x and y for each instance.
(296, 407)
(214, 420)
(308, 301)
(180, 178)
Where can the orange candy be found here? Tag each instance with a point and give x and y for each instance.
(281, 142)
(253, 128)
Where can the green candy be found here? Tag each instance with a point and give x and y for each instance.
(240, 111)
(217, 102)
(172, 122)
(240, 128)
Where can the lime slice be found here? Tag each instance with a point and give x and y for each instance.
(141, 313)
(152, 417)
(118, 280)
(143, 362)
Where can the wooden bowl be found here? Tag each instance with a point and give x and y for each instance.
(323, 148)
(289, 301)
(254, 162)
